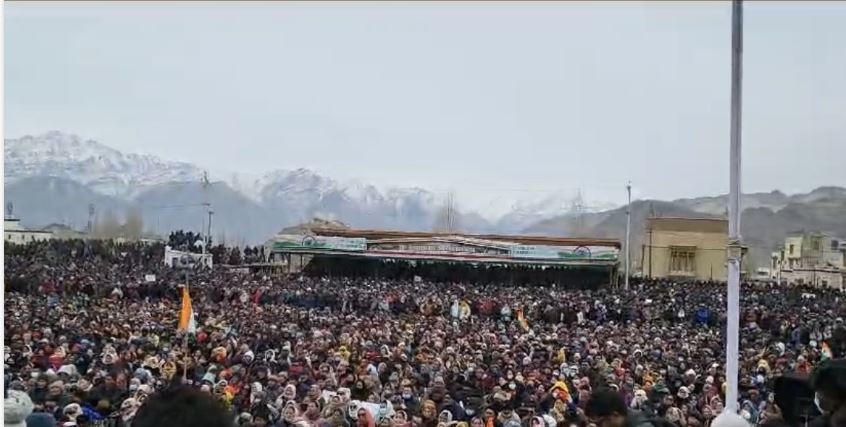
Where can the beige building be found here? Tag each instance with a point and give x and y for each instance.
(685, 248)
(14, 232)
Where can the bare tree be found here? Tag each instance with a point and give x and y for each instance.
(446, 220)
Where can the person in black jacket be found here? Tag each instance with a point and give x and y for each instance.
(606, 408)
(829, 383)
(182, 407)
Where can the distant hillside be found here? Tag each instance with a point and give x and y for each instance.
(179, 206)
(44, 200)
(53, 178)
(767, 219)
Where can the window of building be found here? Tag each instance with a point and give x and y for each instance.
(682, 260)
(835, 244)
(791, 249)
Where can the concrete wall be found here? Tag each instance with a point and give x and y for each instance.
(817, 277)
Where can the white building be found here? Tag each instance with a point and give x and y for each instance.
(14, 232)
(813, 259)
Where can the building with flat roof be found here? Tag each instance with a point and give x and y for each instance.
(15, 232)
(685, 248)
(810, 258)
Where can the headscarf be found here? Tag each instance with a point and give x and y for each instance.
(293, 415)
(368, 420)
(561, 390)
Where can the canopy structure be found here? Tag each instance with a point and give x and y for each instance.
(469, 249)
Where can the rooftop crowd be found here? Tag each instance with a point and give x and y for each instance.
(88, 337)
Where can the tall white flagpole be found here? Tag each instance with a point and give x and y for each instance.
(628, 232)
(734, 209)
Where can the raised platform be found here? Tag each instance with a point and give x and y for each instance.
(461, 248)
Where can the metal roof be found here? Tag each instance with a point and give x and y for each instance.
(520, 239)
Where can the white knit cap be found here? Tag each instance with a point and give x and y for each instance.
(16, 408)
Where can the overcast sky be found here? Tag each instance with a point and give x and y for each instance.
(498, 101)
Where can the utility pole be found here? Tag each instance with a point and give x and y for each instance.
(211, 212)
(628, 232)
(735, 245)
(208, 212)
(649, 224)
(91, 212)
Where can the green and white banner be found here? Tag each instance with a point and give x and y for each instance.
(292, 241)
(574, 253)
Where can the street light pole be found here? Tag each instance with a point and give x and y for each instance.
(734, 208)
(628, 233)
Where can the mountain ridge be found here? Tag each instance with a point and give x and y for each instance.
(53, 177)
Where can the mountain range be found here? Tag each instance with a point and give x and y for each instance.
(55, 177)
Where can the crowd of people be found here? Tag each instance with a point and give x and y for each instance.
(189, 241)
(91, 333)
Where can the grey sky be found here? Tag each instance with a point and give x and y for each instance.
(499, 101)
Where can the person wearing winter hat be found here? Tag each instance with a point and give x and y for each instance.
(40, 419)
(829, 383)
(16, 408)
(70, 414)
(606, 408)
(182, 407)
(244, 419)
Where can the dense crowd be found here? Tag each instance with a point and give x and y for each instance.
(188, 241)
(91, 332)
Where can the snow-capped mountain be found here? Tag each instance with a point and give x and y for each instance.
(303, 194)
(284, 197)
(525, 213)
(273, 199)
(54, 177)
(101, 168)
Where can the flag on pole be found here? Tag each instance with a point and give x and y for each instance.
(186, 315)
(521, 319)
